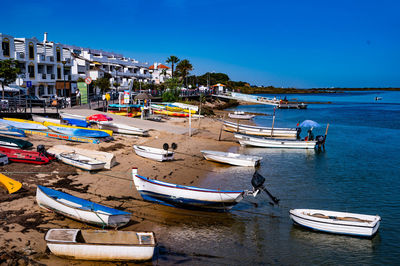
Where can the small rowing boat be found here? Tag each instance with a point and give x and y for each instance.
(275, 143)
(80, 209)
(10, 184)
(260, 131)
(14, 143)
(84, 244)
(191, 197)
(122, 128)
(22, 156)
(337, 222)
(240, 115)
(153, 153)
(231, 158)
(81, 161)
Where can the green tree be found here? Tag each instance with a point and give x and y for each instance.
(172, 92)
(173, 60)
(102, 83)
(184, 67)
(8, 72)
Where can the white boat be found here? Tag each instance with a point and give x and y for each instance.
(122, 128)
(81, 161)
(42, 119)
(186, 106)
(240, 115)
(275, 143)
(73, 116)
(260, 131)
(101, 244)
(190, 197)
(23, 125)
(154, 153)
(337, 222)
(231, 158)
(6, 129)
(80, 209)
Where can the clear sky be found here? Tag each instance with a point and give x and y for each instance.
(324, 43)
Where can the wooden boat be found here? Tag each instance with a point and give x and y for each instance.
(22, 156)
(14, 143)
(260, 131)
(27, 124)
(122, 128)
(78, 131)
(337, 222)
(186, 196)
(101, 244)
(3, 159)
(231, 158)
(10, 184)
(81, 161)
(240, 115)
(153, 153)
(6, 129)
(275, 143)
(80, 209)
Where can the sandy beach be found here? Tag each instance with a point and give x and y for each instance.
(23, 223)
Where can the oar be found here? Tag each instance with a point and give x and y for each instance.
(326, 132)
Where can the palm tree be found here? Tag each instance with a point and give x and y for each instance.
(173, 60)
(184, 67)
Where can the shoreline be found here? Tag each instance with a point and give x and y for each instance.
(24, 224)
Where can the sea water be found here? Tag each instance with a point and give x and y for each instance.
(358, 172)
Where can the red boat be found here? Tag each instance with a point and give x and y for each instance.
(22, 156)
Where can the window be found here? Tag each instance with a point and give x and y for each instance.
(41, 90)
(31, 70)
(58, 72)
(5, 45)
(50, 89)
(31, 51)
(58, 52)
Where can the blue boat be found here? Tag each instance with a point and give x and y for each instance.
(114, 105)
(79, 132)
(76, 122)
(6, 129)
(80, 209)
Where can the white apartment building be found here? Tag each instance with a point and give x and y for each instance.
(160, 73)
(54, 68)
(45, 65)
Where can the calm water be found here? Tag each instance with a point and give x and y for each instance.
(359, 172)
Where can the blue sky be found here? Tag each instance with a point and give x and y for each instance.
(280, 43)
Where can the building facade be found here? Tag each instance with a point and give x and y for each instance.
(160, 73)
(54, 68)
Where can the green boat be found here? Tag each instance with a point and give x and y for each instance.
(14, 143)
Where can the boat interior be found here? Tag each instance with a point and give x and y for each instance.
(350, 219)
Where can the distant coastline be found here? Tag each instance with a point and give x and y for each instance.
(273, 90)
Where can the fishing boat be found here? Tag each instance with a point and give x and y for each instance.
(337, 222)
(84, 244)
(78, 131)
(81, 161)
(275, 143)
(153, 153)
(14, 143)
(122, 128)
(6, 129)
(261, 131)
(240, 115)
(23, 124)
(22, 156)
(231, 158)
(80, 209)
(10, 184)
(42, 119)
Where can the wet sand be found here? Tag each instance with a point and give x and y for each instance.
(23, 223)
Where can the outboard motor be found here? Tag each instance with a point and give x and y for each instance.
(320, 139)
(41, 149)
(258, 184)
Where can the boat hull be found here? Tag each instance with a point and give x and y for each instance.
(185, 196)
(86, 164)
(335, 226)
(72, 208)
(232, 158)
(22, 156)
(275, 143)
(10, 184)
(123, 129)
(261, 131)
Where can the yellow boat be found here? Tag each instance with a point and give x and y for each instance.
(109, 132)
(191, 111)
(173, 108)
(10, 184)
(22, 120)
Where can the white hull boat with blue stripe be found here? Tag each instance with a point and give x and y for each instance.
(186, 196)
(337, 222)
(81, 161)
(80, 209)
(275, 143)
